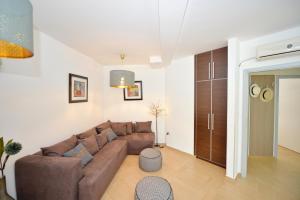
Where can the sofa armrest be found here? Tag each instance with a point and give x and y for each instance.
(48, 178)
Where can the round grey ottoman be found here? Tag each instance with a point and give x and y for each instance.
(153, 187)
(150, 160)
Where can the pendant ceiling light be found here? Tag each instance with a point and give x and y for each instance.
(16, 29)
(121, 78)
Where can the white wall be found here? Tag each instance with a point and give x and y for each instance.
(34, 98)
(289, 110)
(232, 110)
(180, 104)
(118, 110)
(247, 50)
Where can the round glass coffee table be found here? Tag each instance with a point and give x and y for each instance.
(153, 187)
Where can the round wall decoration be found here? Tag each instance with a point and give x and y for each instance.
(254, 90)
(266, 95)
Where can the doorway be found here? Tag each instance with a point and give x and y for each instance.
(274, 122)
(273, 128)
(243, 127)
(288, 108)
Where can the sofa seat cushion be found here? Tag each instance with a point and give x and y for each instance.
(138, 141)
(99, 172)
(105, 156)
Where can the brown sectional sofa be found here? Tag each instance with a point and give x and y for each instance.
(41, 177)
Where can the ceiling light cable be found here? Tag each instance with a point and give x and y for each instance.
(181, 28)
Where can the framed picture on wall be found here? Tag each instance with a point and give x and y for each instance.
(134, 93)
(78, 88)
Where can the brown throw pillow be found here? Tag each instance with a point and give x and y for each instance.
(90, 144)
(119, 128)
(102, 137)
(60, 148)
(143, 127)
(87, 133)
(129, 127)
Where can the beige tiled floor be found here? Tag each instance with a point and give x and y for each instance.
(192, 178)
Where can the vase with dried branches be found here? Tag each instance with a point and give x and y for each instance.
(10, 148)
(156, 111)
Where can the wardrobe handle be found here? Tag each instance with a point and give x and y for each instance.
(213, 70)
(209, 71)
(212, 121)
(208, 121)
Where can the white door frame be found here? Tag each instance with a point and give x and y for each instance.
(244, 105)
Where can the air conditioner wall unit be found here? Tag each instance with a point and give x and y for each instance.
(278, 49)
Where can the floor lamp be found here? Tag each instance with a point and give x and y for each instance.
(156, 110)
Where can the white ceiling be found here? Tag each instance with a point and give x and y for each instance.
(102, 29)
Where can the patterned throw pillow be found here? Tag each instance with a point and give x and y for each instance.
(80, 152)
(143, 127)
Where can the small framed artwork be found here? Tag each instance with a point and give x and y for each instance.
(78, 88)
(134, 93)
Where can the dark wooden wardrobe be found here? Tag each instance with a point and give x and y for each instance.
(211, 106)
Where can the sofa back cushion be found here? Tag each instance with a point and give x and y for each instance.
(103, 126)
(90, 144)
(143, 127)
(129, 126)
(60, 148)
(80, 152)
(119, 128)
(87, 133)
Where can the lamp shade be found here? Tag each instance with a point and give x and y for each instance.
(121, 78)
(16, 29)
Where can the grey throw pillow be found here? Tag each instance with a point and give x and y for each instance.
(80, 152)
(111, 136)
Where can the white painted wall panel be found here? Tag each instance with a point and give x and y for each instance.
(289, 114)
(34, 108)
(180, 104)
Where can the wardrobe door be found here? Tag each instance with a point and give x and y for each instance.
(202, 126)
(219, 121)
(203, 66)
(219, 63)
